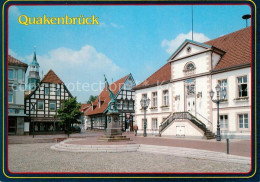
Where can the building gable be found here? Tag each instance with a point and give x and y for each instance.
(188, 48)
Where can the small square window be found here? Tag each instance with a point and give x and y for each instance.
(52, 106)
(243, 121)
(10, 74)
(40, 105)
(10, 97)
(58, 91)
(46, 91)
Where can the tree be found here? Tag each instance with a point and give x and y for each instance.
(92, 98)
(69, 112)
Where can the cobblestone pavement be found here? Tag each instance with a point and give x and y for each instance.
(236, 147)
(38, 157)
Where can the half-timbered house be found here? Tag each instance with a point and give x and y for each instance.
(124, 95)
(42, 103)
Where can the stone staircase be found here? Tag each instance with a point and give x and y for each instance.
(186, 115)
(62, 146)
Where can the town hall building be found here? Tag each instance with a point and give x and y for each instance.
(181, 104)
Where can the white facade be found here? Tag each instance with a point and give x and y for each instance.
(192, 78)
(16, 87)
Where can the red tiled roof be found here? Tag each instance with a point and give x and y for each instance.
(237, 46)
(15, 62)
(115, 87)
(162, 75)
(51, 77)
(84, 107)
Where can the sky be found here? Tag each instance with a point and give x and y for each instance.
(129, 39)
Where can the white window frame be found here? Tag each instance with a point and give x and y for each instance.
(165, 98)
(222, 87)
(10, 92)
(22, 77)
(52, 102)
(39, 101)
(243, 124)
(154, 99)
(154, 126)
(10, 69)
(239, 86)
(224, 124)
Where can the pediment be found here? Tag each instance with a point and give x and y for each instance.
(187, 48)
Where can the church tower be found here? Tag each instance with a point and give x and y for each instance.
(33, 77)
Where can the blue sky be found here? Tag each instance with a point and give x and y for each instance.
(129, 39)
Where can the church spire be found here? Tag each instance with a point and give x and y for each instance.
(34, 61)
(33, 77)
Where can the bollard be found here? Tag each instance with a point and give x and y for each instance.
(227, 145)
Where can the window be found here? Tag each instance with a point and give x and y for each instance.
(223, 119)
(46, 91)
(242, 86)
(10, 95)
(188, 49)
(154, 99)
(243, 121)
(52, 106)
(125, 104)
(10, 74)
(190, 89)
(154, 124)
(223, 85)
(165, 98)
(58, 91)
(20, 75)
(190, 66)
(131, 105)
(40, 105)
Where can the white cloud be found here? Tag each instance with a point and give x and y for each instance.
(83, 66)
(12, 53)
(116, 25)
(14, 11)
(172, 45)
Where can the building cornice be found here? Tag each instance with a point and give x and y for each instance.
(246, 65)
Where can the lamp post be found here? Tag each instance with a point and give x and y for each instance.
(217, 101)
(144, 104)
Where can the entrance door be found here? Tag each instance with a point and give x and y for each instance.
(180, 130)
(12, 125)
(190, 96)
(191, 105)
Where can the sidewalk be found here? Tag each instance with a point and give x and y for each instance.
(236, 147)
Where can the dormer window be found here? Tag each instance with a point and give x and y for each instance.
(189, 68)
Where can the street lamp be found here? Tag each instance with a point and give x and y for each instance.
(144, 104)
(217, 101)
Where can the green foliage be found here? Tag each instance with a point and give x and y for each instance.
(92, 98)
(69, 112)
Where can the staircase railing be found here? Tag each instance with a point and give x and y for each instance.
(181, 115)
